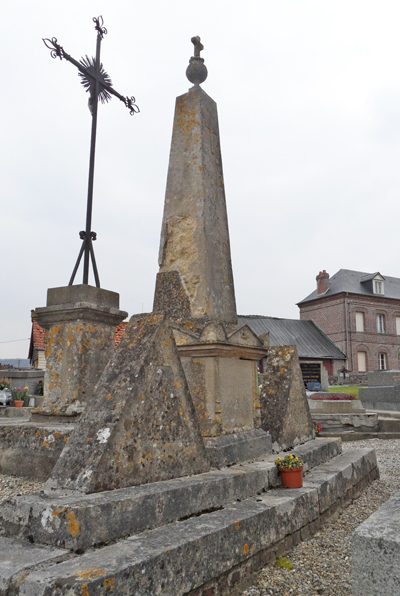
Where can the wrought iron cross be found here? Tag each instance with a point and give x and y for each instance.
(97, 82)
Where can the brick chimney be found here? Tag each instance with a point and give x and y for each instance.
(322, 282)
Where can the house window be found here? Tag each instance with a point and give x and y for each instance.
(398, 325)
(382, 361)
(360, 322)
(378, 287)
(362, 361)
(380, 323)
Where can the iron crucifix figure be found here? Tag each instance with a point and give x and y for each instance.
(97, 82)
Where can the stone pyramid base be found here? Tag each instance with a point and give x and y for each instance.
(193, 536)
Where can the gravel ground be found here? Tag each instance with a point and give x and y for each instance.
(322, 564)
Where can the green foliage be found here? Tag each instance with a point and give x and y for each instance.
(352, 390)
(289, 462)
(284, 563)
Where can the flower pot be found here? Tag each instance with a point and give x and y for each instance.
(18, 403)
(292, 478)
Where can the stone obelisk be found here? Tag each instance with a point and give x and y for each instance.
(195, 236)
(195, 282)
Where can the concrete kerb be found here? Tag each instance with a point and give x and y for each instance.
(204, 552)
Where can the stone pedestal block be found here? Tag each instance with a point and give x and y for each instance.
(284, 407)
(80, 324)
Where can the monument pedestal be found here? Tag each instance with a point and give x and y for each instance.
(80, 324)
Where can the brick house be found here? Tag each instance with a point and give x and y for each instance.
(360, 312)
(317, 353)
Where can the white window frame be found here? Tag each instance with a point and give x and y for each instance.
(380, 323)
(378, 287)
(398, 325)
(382, 361)
(362, 369)
(360, 328)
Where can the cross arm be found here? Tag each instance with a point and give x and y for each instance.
(57, 51)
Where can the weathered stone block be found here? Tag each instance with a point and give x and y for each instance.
(284, 406)
(80, 324)
(227, 450)
(31, 450)
(141, 427)
(376, 552)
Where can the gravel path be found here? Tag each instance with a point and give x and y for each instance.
(322, 564)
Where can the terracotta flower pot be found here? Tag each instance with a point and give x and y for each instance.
(292, 478)
(18, 403)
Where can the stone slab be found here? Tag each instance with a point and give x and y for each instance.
(380, 398)
(31, 450)
(337, 476)
(382, 378)
(336, 407)
(344, 422)
(376, 552)
(81, 521)
(179, 558)
(17, 558)
(173, 560)
(227, 450)
(82, 293)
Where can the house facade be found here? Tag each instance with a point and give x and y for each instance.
(318, 355)
(360, 312)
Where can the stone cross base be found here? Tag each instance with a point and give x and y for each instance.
(80, 324)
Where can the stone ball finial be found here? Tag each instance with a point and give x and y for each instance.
(196, 72)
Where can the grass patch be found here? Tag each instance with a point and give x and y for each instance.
(353, 390)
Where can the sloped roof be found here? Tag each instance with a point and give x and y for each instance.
(353, 282)
(310, 340)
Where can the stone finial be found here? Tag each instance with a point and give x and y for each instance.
(196, 72)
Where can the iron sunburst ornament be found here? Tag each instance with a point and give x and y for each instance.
(89, 82)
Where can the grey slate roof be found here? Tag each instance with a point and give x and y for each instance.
(349, 281)
(310, 340)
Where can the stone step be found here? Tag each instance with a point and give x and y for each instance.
(12, 412)
(80, 521)
(351, 435)
(389, 425)
(191, 556)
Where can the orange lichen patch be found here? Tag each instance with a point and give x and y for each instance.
(89, 574)
(57, 512)
(74, 526)
(176, 384)
(84, 590)
(57, 435)
(271, 391)
(189, 324)
(37, 433)
(109, 583)
(90, 439)
(45, 444)
(65, 439)
(164, 344)
(282, 371)
(257, 406)
(246, 549)
(109, 396)
(236, 525)
(149, 456)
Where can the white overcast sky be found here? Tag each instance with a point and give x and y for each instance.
(308, 95)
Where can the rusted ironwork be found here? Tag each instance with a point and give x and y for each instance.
(98, 84)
